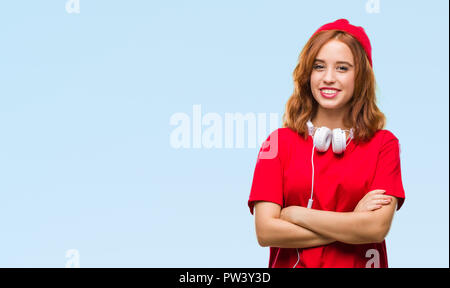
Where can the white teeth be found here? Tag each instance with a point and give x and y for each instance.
(329, 91)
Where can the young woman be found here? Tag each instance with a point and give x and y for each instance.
(322, 206)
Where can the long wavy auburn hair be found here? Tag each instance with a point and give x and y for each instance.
(364, 115)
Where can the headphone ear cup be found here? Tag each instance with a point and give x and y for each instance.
(322, 139)
(310, 128)
(339, 141)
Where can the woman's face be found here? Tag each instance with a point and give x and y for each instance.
(333, 68)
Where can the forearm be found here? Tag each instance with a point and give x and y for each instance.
(283, 234)
(347, 227)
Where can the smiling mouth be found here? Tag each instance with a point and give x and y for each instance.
(329, 93)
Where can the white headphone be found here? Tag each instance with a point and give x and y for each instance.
(322, 137)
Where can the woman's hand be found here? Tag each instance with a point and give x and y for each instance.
(289, 213)
(372, 201)
(285, 214)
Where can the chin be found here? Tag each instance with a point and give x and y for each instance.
(328, 105)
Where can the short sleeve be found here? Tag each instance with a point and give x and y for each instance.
(267, 182)
(388, 171)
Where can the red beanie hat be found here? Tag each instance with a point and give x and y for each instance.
(356, 31)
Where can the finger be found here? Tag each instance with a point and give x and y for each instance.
(383, 201)
(371, 197)
(373, 207)
(381, 197)
(377, 191)
(375, 197)
(380, 202)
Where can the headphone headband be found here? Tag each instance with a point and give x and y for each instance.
(311, 129)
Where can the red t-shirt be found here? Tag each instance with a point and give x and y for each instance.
(283, 175)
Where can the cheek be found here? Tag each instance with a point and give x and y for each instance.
(350, 89)
(349, 92)
(313, 79)
(349, 80)
(348, 83)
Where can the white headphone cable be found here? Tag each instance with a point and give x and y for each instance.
(310, 201)
(298, 258)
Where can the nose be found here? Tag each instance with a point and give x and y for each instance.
(329, 76)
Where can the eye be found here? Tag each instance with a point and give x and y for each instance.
(343, 68)
(317, 66)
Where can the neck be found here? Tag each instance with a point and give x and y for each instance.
(329, 118)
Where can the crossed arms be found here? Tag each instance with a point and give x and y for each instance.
(299, 227)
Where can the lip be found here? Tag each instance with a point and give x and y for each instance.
(329, 88)
(327, 95)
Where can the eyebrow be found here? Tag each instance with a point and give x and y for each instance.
(338, 62)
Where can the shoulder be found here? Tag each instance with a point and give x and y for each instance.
(287, 133)
(384, 140)
(279, 142)
(285, 136)
(387, 135)
(384, 136)
(380, 140)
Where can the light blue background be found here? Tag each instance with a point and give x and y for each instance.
(85, 103)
